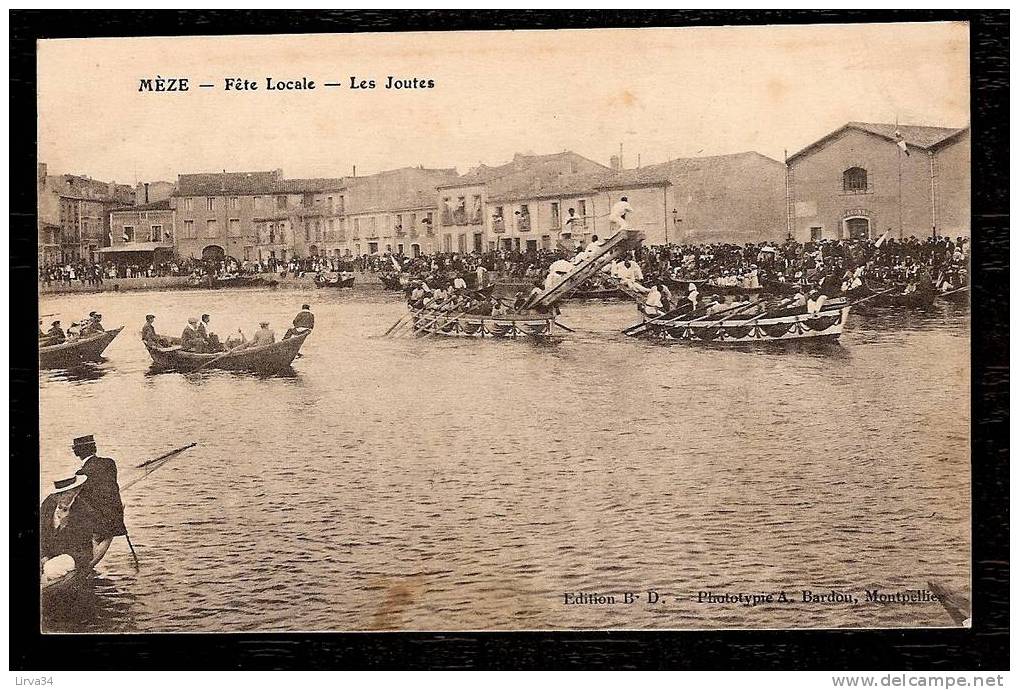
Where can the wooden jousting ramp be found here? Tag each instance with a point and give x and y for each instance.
(613, 248)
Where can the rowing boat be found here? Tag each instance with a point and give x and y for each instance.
(451, 324)
(73, 352)
(265, 359)
(780, 326)
(339, 282)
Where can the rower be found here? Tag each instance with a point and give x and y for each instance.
(815, 301)
(190, 339)
(692, 295)
(56, 332)
(304, 321)
(653, 303)
(149, 335)
(101, 493)
(263, 336)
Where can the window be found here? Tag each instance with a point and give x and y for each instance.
(357, 231)
(258, 203)
(272, 233)
(447, 243)
(372, 232)
(189, 203)
(854, 180)
(330, 202)
(318, 230)
(308, 199)
(234, 227)
(523, 218)
(307, 230)
(815, 233)
(399, 225)
(475, 217)
(281, 202)
(157, 233)
(330, 229)
(460, 212)
(210, 202)
(555, 214)
(233, 203)
(461, 243)
(498, 224)
(210, 228)
(447, 211)
(128, 233)
(412, 224)
(189, 229)
(582, 213)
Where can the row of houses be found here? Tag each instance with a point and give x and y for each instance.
(858, 181)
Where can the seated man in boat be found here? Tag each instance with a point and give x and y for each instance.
(212, 343)
(417, 296)
(304, 321)
(653, 303)
(149, 334)
(92, 324)
(815, 301)
(56, 333)
(66, 526)
(190, 339)
(630, 275)
(692, 295)
(263, 336)
(556, 272)
(590, 250)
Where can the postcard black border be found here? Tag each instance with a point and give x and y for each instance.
(984, 647)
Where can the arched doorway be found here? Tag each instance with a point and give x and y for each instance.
(857, 228)
(213, 253)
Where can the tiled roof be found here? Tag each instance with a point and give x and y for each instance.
(212, 184)
(484, 174)
(917, 136)
(162, 205)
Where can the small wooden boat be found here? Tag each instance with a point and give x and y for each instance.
(266, 359)
(783, 325)
(231, 281)
(339, 282)
(51, 585)
(896, 296)
(73, 352)
(451, 324)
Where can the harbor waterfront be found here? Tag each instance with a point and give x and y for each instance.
(436, 483)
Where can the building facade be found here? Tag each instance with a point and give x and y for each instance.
(73, 215)
(860, 181)
(141, 234)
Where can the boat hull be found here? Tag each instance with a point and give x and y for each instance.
(827, 325)
(267, 359)
(344, 283)
(468, 326)
(69, 354)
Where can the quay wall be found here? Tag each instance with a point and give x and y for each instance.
(182, 283)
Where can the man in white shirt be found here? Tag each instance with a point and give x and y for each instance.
(480, 273)
(653, 303)
(618, 214)
(459, 284)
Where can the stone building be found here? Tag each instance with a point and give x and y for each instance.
(860, 181)
(215, 213)
(73, 215)
(151, 192)
(141, 234)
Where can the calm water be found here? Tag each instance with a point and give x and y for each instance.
(443, 484)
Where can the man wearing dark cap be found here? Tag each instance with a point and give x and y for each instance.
(149, 335)
(304, 320)
(101, 493)
(56, 333)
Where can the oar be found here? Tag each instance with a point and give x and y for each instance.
(952, 292)
(445, 323)
(565, 328)
(419, 312)
(764, 313)
(876, 294)
(401, 320)
(165, 456)
(639, 328)
(729, 313)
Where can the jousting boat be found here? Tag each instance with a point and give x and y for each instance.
(73, 352)
(538, 316)
(784, 325)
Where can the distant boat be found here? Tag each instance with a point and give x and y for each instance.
(339, 282)
(73, 352)
(783, 325)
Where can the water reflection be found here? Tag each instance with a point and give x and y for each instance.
(86, 371)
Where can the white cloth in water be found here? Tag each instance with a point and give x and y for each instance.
(56, 567)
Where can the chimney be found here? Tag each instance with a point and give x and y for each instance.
(616, 163)
(146, 192)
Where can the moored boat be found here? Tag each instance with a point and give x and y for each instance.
(793, 324)
(265, 359)
(73, 352)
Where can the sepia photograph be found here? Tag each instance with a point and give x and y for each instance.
(632, 329)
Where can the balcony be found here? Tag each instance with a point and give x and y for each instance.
(498, 225)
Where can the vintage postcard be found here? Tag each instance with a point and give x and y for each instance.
(625, 329)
